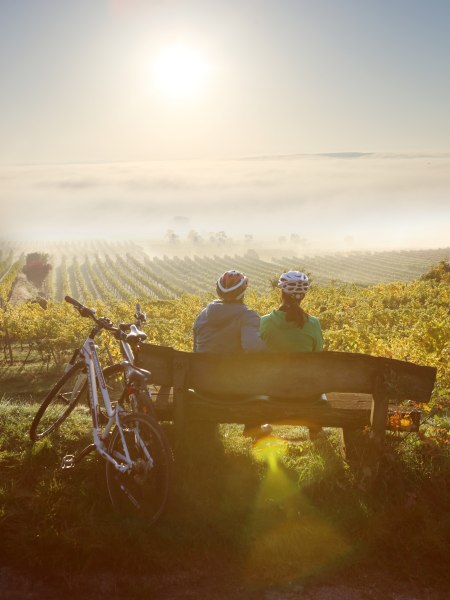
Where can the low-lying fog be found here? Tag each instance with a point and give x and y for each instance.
(343, 201)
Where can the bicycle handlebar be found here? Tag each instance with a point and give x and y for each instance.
(102, 322)
(83, 310)
(75, 303)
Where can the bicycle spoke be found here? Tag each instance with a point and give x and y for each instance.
(59, 403)
(128, 494)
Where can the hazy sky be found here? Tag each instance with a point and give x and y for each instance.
(335, 202)
(142, 84)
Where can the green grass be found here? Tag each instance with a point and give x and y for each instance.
(29, 380)
(279, 511)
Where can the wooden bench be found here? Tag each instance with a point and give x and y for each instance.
(283, 388)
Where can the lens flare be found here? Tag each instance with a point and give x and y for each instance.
(293, 539)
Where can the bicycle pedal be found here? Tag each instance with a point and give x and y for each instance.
(68, 462)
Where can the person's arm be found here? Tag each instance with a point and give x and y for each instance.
(250, 337)
(263, 327)
(195, 332)
(318, 342)
(194, 346)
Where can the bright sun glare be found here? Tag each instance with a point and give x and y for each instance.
(179, 71)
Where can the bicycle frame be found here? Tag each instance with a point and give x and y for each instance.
(125, 347)
(94, 374)
(126, 351)
(88, 356)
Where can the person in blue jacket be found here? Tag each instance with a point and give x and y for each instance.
(226, 324)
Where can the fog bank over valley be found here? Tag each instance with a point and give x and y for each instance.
(311, 203)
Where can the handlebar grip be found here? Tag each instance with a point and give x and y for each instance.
(73, 302)
(84, 311)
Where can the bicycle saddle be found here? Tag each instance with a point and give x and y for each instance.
(135, 335)
(136, 375)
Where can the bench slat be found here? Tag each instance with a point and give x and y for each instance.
(291, 375)
(198, 408)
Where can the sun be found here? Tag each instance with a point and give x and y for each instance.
(179, 72)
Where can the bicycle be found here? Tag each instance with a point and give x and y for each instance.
(137, 454)
(115, 378)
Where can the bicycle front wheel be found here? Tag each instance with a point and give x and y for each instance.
(144, 490)
(60, 402)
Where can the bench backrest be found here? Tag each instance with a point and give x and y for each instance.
(289, 375)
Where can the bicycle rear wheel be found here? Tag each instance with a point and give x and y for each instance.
(60, 402)
(144, 491)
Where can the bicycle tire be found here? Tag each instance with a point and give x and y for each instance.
(145, 492)
(59, 402)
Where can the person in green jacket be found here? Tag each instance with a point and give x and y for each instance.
(290, 328)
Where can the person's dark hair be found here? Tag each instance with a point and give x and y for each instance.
(294, 312)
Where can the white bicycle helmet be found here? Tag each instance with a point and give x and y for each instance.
(231, 285)
(294, 283)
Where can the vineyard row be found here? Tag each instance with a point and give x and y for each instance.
(134, 275)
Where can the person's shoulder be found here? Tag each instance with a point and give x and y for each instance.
(314, 321)
(248, 314)
(268, 316)
(200, 317)
(246, 310)
(210, 305)
(265, 322)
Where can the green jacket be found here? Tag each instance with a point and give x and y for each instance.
(285, 336)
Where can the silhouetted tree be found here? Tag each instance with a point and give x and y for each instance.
(172, 236)
(37, 267)
(296, 239)
(194, 237)
(218, 237)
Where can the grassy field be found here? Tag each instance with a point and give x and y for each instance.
(269, 513)
(275, 514)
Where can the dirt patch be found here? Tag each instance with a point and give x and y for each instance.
(22, 290)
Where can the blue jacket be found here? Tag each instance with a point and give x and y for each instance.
(227, 327)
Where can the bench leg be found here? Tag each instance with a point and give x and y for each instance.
(179, 401)
(379, 412)
(362, 448)
(354, 445)
(193, 438)
(179, 419)
(378, 418)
